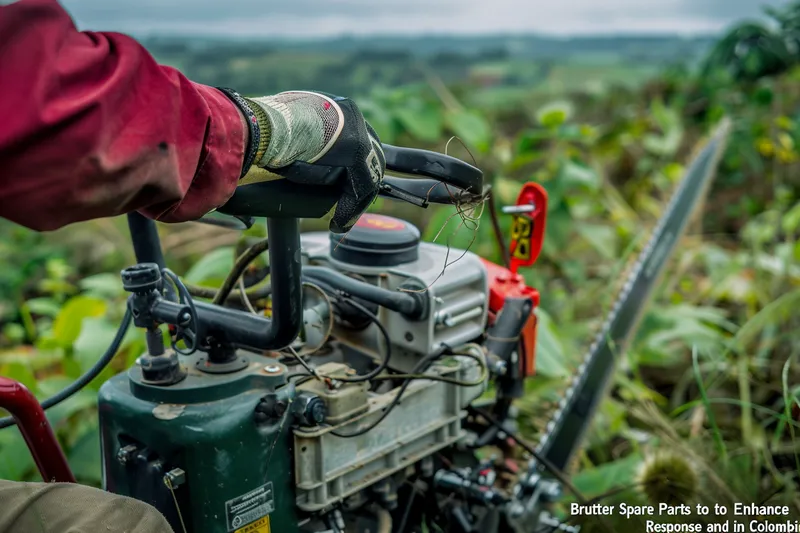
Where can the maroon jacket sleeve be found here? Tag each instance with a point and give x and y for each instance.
(91, 126)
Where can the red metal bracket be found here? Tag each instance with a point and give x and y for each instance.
(32, 422)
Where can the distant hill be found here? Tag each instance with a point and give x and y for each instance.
(353, 65)
(532, 46)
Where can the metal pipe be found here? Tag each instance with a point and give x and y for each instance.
(402, 302)
(246, 329)
(287, 295)
(519, 209)
(146, 243)
(35, 428)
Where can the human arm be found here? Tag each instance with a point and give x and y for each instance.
(93, 127)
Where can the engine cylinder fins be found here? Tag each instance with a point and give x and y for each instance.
(377, 241)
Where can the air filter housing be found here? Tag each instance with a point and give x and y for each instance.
(377, 241)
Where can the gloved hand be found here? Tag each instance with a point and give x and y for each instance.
(316, 139)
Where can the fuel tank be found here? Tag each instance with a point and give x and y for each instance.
(199, 450)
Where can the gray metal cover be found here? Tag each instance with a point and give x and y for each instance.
(330, 468)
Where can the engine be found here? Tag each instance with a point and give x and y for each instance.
(387, 253)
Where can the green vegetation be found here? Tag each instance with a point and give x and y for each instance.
(753, 50)
(713, 374)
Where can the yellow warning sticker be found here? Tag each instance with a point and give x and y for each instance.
(521, 233)
(259, 526)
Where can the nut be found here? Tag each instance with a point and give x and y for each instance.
(125, 454)
(175, 478)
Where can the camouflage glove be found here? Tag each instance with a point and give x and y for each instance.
(297, 130)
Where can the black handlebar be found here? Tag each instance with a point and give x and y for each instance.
(445, 180)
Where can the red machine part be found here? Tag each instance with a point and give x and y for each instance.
(32, 422)
(504, 284)
(527, 230)
(527, 237)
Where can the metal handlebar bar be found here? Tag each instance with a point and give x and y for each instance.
(237, 327)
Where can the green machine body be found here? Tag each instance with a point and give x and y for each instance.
(204, 451)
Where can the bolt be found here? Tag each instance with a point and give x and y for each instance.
(272, 369)
(125, 454)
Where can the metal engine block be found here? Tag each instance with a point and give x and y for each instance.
(429, 417)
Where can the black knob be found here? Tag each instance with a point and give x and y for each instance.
(144, 277)
(314, 412)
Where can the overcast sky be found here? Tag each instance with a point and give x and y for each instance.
(319, 18)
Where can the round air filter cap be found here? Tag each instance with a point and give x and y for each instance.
(377, 241)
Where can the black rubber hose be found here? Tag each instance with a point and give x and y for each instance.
(87, 377)
(242, 262)
(402, 302)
